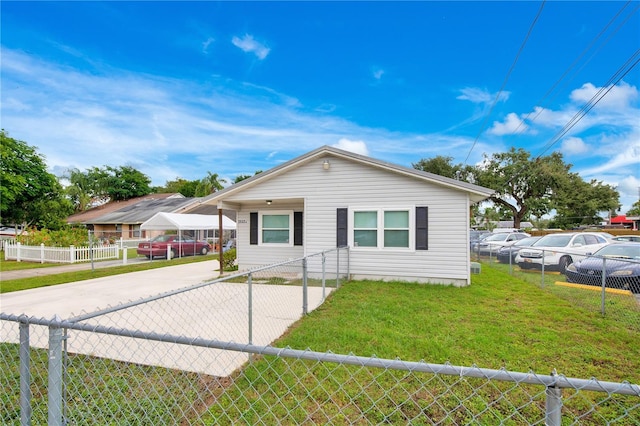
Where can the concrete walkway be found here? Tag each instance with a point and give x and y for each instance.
(217, 311)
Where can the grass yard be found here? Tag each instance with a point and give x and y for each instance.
(499, 321)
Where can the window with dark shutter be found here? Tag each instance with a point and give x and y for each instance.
(422, 228)
(342, 232)
(297, 228)
(253, 228)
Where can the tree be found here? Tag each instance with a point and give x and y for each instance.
(578, 202)
(441, 165)
(240, 178)
(209, 184)
(522, 185)
(29, 195)
(97, 185)
(180, 185)
(125, 182)
(635, 209)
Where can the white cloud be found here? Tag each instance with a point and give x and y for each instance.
(618, 97)
(377, 73)
(481, 96)
(357, 147)
(509, 126)
(206, 44)
(574, 146)
(250, 45)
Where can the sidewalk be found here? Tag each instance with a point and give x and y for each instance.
(52, 270)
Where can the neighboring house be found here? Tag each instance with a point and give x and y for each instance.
(400, 223)
(122, 219)
(509, 224)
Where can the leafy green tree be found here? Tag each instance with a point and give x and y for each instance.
(209, 184)
(125, 182)
(635, 209)
(29, 195)
(98, 185)
(240, 178)
(180, 185)
(578, 202)
(442, 166)
(523, 185)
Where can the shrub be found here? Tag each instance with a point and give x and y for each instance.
(229, 260)
(58, 238)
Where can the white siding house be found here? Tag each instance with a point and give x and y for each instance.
(400, 223)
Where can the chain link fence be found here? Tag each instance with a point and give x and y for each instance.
(608, 283)
(203, 355)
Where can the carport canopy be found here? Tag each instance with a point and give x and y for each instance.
(180, 222)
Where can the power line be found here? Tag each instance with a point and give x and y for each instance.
(504, 83)
(540, 102)
(601, 93)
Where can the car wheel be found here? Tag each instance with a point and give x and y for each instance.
(204, 251)
(563, 263)
(148, 256)
(172, 254)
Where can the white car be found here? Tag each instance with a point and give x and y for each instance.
(560, 250)
(494, 242)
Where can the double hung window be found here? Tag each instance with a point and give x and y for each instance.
(382, 228)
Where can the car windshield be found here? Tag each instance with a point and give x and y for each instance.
(162, 238)
(553, 241)
(526, 241)
(496, 237)
(623, 251)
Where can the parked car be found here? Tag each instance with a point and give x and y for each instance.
(476, 236)
(180, 246)
(493, 243)
(507, 254)
(561, 250)
(633, 238)
(620, 262)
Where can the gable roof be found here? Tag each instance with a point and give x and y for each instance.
(133, 211)
(476, 193)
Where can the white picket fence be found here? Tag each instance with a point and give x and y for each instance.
(71, 254)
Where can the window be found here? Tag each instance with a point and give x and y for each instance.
(382, 228)
(396, 228)
(275, 229)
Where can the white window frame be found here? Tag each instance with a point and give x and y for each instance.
(274, 213)
(380, 229)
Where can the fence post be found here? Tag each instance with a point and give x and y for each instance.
(25, 376)
(18, 252)
(338, 267)
(305, 297)
(604, 282)
(324, 259)
(553, 405)
(55, 374)
(542, 269)
(41, 252)
(250, 308)
(124, 255)
(169, 254)
(72, 253)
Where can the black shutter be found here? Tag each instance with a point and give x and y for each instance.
(253, 228)
(342, 237)
(297, 228)
(422, 228)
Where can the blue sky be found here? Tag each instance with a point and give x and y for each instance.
(177, 89)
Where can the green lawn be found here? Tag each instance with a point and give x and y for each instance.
(497, 322)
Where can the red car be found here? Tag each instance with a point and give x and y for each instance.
(180, 246)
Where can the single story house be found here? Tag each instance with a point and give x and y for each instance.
(122, 219)
(399, 223)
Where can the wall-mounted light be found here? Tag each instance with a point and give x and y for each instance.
(326, 165)
(268, 202)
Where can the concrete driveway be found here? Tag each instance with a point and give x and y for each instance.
(218, 311)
